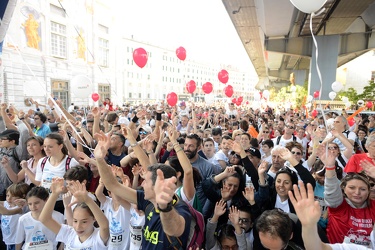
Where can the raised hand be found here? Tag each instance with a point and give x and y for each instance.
(102, 147)
(57, 185)
(127, 132)
(307, 209)
(285, 154)
(96, 112)
(164, 189)
(140, 114)
(249, 194)
(220, 208)
(173, 135)
(236, 147)
(67, 198)
(326, 156)
(136, 170)
(234, 216)
(368, 167)
(262, 168)
(83, 158)
(79, 191)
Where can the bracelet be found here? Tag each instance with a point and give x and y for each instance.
(331, 168)
(135, 119)
(175, 144)
(178, 150)
(134, 144)
(150, 152)
(158, 116)
(167, 209)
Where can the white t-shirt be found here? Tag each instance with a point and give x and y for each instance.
(119, 220)
(69, 237)
(35, 234)
(283, 141)
(46, 175)
(136, 224)
(283, 205)
(267, 158)
(9, 225)
(220, 156)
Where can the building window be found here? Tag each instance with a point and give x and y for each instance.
(372, 75)
(58, 40)
(104, 91)
(139, 95)
(103, 52)
(130, 95)
(60, 90)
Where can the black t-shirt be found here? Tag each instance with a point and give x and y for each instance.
(154, 237)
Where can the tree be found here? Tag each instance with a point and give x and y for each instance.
(368, 92)
(285, 94)
(351, 94)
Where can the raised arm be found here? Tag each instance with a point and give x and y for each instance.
(188, 182)
(105, 173)
(57, 187)
(173, 223)
(141, 155)
(348, 152)
(96, 126)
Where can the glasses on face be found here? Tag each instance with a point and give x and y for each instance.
(296, 153)
(290, 126)
(243, 220)
(332, 148)
(142, 132)
(266, 132)
(36, 118)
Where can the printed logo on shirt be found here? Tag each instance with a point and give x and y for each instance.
(151, 236)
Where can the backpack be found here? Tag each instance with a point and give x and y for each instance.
(67, 162)
(279, 138)
(196, 203)
(196, 233)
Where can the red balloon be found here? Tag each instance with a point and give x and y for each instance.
(191, 86)
(95, 97)
(316, 94)
(228, 91)
(314, 113)
(240, 99)
(207, 87)
(238, 103)
(369, 104)
(223, 76)
(140, 57)
(181, 53)
(172, 99)
(351, 122)
(247, 102)
(234, 100)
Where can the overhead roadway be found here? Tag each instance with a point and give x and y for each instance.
(278, 40)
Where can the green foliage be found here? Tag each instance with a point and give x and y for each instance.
(351, 93)
(286, 95)
(367, 95)
(368, 92)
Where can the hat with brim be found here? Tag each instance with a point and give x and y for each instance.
(10, 134)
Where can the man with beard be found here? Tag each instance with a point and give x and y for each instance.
(205, 168)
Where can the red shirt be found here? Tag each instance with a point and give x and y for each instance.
(350, 224)
(353, 163)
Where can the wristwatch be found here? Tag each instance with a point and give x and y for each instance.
(167, 209)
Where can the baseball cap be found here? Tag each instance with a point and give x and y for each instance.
(148, 129)
(254, 152)
(182, 103)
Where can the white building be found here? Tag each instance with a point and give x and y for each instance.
(48, 43)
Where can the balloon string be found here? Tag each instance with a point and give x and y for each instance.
(46, 93)
(318, 71)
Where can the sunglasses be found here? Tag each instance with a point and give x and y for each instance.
(332, 148)
(296, 153)
(142, 132)
(266, 132)
(290, 126)
(243, 220)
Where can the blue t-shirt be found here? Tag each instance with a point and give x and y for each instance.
(154, 237)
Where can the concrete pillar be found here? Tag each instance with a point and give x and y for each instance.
(328, 49)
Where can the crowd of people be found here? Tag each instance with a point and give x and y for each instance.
(192, 176)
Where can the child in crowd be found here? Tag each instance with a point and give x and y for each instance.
(11, 211)
(117, 212)
(31, 233)
(83, 234)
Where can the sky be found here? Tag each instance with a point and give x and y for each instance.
(202, 27)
